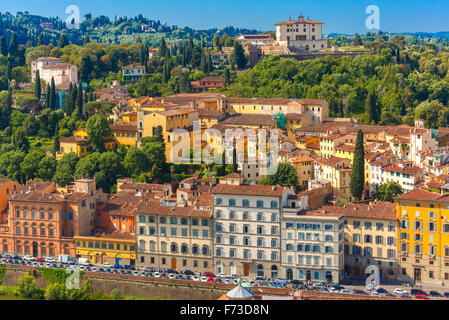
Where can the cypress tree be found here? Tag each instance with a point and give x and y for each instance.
(40, 40)
(226, 76)
(56, 142)
(371, 107)
(86, 40)
(209, 64)
(162, 48)
(8, 71)
(47, 97)
(3, 46)
(68, 100)
(62, 41)
(37, 87)
(13, 47)
(203, 64)
(358, 168)
(52, 99)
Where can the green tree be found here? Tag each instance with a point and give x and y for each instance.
(86, 40)
(37, 86)
(285, 176)
(62, 41)
(52, 99)
(135, 161)
(97, 130)
(371, 107)
(387, 191)
(27, 286)
(20, 140)
(358, 170)
(65, 169)
(47, 168)
(30, 164)
(238, 56)
(3, 46)
(357, 40)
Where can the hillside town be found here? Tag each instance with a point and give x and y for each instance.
(154, 162)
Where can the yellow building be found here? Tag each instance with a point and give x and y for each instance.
(124, 133)
(370, 238)
(423, 236)
(76, 144)
(338, 172)
(294, 121)
(169, 120)
(304, 169)
(329, 142)
(113, 248)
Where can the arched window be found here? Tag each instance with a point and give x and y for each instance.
(418, 248)
(289, 274)
(184, 248)
(51, 249)
(195, 249)
(205, 250)
(174, 247)
(152, 246)
(274, 271)
(43, 249)
(142, 245)
(50, 230)
(42, 227)
(163, 246)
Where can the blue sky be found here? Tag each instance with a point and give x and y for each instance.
(342, 16)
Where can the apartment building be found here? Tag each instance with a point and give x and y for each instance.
(303, 34)
(404, 173)
(247, 227)
(423, 245)
(133, 72)
(174, 236)
(338, 172)
(370, 238)
(37, 64)
(62, 73)
(312, 243)
(44, 222)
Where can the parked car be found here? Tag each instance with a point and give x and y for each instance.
(227, 281)
(16, 257)
(210, 279)
(40, 260)
(221, 275)
(381, 290)
(324, 289)
(375, 294)
(51, 260)
(208, 274)
(358, 292)
(188, 278)
(414, 292)
(399, 291)
(188, 272)
(171, 271)
(7, 256)
(146, 268)
(164, 275)
(94, 269)
(107, 265)
(117, 266)
(35, 264)
(435, 294)
(171, 276)
(28, 258)
(195, 278)
(101, 270)
(204, 279)
(157, 275)
(345, 291)
(337, 287)
(446, 294)
(219, 280)
(421, 297)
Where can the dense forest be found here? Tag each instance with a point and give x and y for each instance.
(395, 84)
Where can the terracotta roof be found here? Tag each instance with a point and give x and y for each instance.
(156, 208)
(310, 101)
(208, 112)
(251, 119)
(133, 66)
(345, 147)
(117, 235)
(374, 210)
(254, 190)
(58, 66)
(294, 116)
(407, 169)
(419, 194)
(299, 22)
(264, 101)
(74, 139)
(174, 112)
(121, 126)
